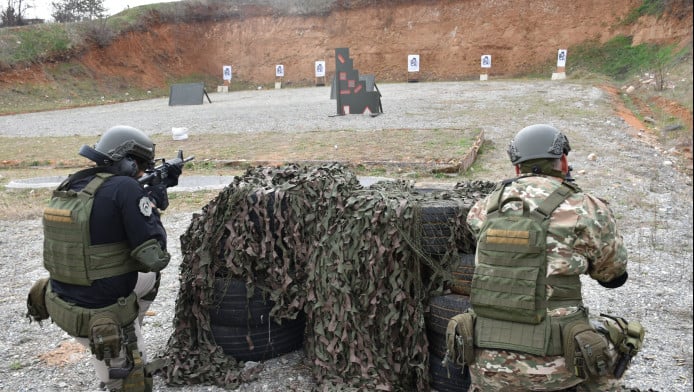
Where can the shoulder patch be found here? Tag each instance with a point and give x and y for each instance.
(145, 206)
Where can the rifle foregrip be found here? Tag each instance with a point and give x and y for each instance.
(119, 373)
(622, 365)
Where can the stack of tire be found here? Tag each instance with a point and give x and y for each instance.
(448, 377)
(462, 270)
(437, 217)
(242, 325)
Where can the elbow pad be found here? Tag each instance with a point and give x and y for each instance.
(616, 282)
(151, 256)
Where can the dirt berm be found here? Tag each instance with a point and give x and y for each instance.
(449, 36)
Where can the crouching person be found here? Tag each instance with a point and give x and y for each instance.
(104, 247)
(536, 234)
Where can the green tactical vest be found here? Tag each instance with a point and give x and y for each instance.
(509, 285)
(67, 253)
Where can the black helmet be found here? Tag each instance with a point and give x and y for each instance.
(121, 147)
(539, 141)
(117, 143)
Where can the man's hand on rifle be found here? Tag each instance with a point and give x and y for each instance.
(172, 174)
(158, 194)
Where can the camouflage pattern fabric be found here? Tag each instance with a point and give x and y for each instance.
(316, 242)
(501, 370)
(582, 239)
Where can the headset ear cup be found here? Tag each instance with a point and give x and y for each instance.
(126, 167)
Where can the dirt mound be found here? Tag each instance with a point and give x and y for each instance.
(449, 36)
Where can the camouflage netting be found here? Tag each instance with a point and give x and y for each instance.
(318, 243)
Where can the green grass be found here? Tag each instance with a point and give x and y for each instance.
(618, 58)
(29, 45)
(648, 7)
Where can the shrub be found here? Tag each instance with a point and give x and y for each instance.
(99, 33)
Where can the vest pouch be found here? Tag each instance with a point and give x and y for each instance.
(510, 293)
(105, 336)
(586, 350)
(460, 339)
(36, 301)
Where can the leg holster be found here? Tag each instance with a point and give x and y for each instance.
(110, 330)
(135, 378)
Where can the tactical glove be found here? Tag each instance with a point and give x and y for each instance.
(157, 193)
(172, 174)
(616, 282)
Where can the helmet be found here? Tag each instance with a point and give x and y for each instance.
(539, 141)
(119, 142)
(121, 147)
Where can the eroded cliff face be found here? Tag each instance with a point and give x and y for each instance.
(449, 36)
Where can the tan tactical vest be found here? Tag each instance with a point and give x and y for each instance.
(67, 253)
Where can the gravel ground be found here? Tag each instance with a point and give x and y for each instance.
(651, 199)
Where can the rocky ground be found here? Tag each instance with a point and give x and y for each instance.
(651, 199)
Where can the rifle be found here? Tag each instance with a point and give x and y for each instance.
(156, 175)
(630, 338)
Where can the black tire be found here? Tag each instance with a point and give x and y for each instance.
(449, 378)
(232, 308)
(437, 225)
(462, 271)
(260, 343)
(442, 309)
(437, 344)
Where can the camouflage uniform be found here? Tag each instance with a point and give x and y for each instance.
(582, 239)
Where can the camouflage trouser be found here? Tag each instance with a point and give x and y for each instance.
(508, 371)
(587, 386)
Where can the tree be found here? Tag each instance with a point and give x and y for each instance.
(661, 63)
(77, 10)
(13, 14)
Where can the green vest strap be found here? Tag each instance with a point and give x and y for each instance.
(554, 200)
